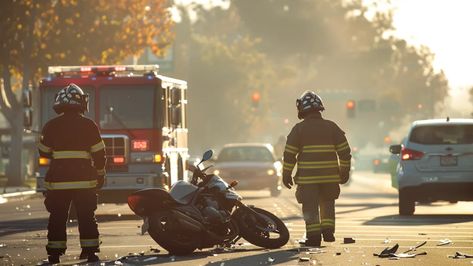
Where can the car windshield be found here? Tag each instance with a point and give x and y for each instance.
(451, 134)
(47, 102)
(238, 154)
(127, 106)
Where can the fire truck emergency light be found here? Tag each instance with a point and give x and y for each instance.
(140, 145)
(102, 68)
(118, 160)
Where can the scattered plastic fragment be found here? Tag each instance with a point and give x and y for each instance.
(422, 234)
(387, 252)
(270, 259)
(461, 255)
(348, 240)
(304, 259)
(387, 240)
(338, 253)
(444, 242)
(173, 258)
(415, 247)
(119, 215)
(150, 259)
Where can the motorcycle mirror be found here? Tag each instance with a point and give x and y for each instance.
(207, 155)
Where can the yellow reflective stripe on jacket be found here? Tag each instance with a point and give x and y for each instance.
(97, 147)
(318, 163)
(57, 244)
(312, 227)
(318, 148)
(71, 155)
(89, 243)
(101, 172)
(328, 166)
(342, 146)
(288, 166)
(317, 179)
(291, 149)
(44, 148)
(70, 185)
(344, 163)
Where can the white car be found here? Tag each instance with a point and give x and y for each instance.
(436, 163)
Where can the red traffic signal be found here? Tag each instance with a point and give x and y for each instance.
(350, 104)
(255, 98)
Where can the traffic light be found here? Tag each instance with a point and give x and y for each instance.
(255, 99)
(351, 108)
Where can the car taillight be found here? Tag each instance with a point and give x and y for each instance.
(408, 154)
(140, 145)
(43, 161)
(118, 160)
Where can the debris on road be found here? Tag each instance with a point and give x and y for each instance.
(461, 255)
(304, 259)
(270, 259)
(348, 240)
(154, 250)
(392, 255)
(387, 240)
(444, 242)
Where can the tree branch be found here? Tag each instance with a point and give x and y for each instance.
(4, 108)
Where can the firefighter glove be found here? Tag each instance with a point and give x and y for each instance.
(344, 176)
(100, 181)
(287, 181)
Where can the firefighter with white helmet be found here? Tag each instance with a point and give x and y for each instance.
(322, 154)
(77, 152)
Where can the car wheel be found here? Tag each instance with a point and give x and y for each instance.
(406, 203)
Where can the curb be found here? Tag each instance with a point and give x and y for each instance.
(13, 195)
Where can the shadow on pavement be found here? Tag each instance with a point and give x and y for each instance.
(272, 258)
(421, 219)
(21, 226)
(368, 195)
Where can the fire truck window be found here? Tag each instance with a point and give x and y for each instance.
(165, 98)
(127, 107)
(47, 101)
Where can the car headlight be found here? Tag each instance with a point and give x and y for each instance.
(216, 172)
(270, 172)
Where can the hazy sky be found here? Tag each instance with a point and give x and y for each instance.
(446, 27)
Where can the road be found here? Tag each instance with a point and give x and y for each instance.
(366, 211)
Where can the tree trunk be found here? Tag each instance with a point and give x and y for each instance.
(14, 172)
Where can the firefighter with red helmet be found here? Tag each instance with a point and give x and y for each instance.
(322, 154)
(77, 152)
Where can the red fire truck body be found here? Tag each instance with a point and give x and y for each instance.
(142, 119)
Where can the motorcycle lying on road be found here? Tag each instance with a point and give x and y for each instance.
(204, 213)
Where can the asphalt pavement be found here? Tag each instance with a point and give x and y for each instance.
(366, 211)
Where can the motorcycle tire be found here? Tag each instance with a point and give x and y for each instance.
(171, 239)
(249, 230)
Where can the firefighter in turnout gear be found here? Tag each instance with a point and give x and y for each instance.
(77, 152)
(321, 152)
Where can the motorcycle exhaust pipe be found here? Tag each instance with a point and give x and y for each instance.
(188, 223)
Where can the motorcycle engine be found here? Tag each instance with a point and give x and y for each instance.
(212, 214)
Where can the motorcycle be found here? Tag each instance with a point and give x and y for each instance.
(204, 213)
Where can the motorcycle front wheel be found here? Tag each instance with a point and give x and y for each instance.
(163, 229)
(272, 233)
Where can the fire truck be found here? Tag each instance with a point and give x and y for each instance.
(142, 119)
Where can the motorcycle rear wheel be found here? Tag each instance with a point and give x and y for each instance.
(262, 235)
(162, 230)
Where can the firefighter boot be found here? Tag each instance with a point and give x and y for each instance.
(89, 255)
(328, 235)
(313, 240)
(53, 259)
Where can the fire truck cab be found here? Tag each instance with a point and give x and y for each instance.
(142, 119)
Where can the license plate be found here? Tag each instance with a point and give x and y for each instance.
(448, 160)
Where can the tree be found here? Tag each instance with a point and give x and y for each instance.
(35, 34)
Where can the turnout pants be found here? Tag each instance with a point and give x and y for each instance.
(57, 203)
(318, 207)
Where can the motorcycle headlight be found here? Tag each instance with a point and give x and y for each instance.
(216, 172)
(270, 172)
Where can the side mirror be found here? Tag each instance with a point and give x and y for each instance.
(176, 96)
(27, 98)
(395, 149)
(27, 118)
(207, 155)
(176, 116)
